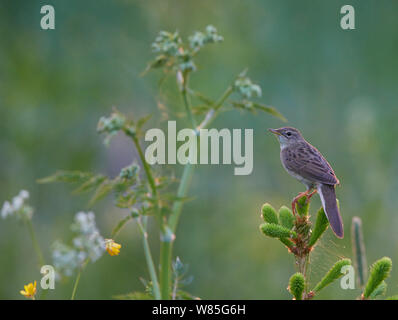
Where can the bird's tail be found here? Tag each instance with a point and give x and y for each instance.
(329, 203)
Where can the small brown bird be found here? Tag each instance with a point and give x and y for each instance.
(305, 163)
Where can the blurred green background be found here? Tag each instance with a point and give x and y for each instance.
(339, 87)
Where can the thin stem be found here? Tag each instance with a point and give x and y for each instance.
(78, 278)
(167, 243)
(149, 260)
(35, 243)
(214, 112)
(163, 293)
(147, 168)
(151, 181)
(181, 193)
(187, 104)
(167, 246)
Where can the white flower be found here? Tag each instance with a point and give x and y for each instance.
(24, 194)
(17, 203)
(66, 259)
(84, 223)
(6, 210)
(17, 207)
(88, 243)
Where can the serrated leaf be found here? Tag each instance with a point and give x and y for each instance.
(159, 62)
(207, 101)
(142, 121)
(67, 176)
(126, 200)
(200, 109)
(120, 225)
(102, 191)
(90, 184)
(271, 110)
(244, 105)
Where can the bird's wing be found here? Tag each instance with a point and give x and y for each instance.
(306, 161)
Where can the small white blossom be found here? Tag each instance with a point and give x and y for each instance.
(66, 259)
(6, 210)
(88, 243)
(17, 207)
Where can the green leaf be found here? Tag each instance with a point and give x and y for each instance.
(67, 176)
(297, 285)
(207, 101)
(395, 297)
(276, 231)
(126, 200)
(269, 214)
(379, 291)
(120, 225)
(302, 206)
(159, 62)
(140, 123)
(333, 274)
(270, 110)
(102, 191)
(379, 271)
(286, 217)
(200, 109)
(287, 242)
(90, 184)
(321, 224)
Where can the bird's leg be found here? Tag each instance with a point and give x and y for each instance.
(310, 195)
(305, 193)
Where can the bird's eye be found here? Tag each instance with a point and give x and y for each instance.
(288, 133)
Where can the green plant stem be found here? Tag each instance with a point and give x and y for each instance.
(78, 278)
(167, 243)
(35, 243)
(214, 112)
(187, 104)
(302, 266)
(181, 193)
(167, 246)
(147, 168)
(149, 260)
(151, 181)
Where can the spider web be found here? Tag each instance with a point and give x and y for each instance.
(326, 253)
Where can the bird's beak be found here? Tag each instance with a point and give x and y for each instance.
(275, 132)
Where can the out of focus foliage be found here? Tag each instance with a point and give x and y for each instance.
(338, 87)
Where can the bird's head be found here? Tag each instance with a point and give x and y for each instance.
(287, 136)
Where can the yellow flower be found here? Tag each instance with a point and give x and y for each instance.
(112, 247)
(30, 290)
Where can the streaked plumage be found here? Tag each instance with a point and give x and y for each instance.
(304, 162)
